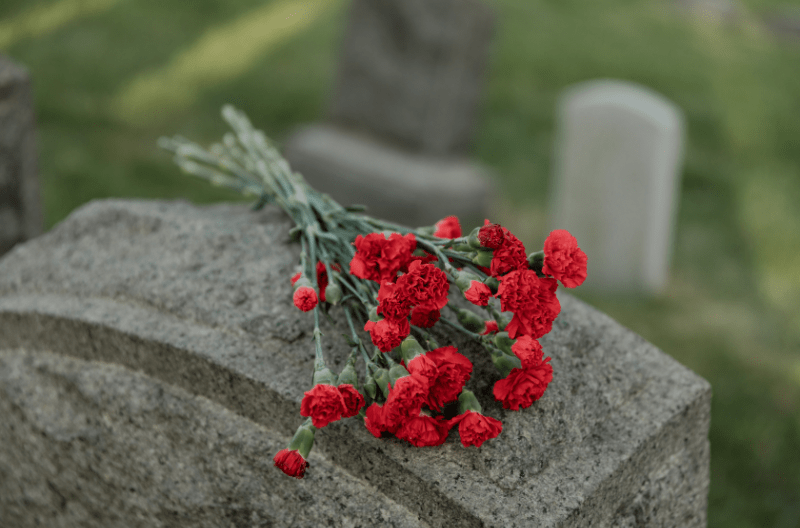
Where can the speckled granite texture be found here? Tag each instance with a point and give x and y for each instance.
(152, 363)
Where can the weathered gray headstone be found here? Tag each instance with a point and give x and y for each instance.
(408, 86)
(616, 183)
(152, 364)
(20, 203)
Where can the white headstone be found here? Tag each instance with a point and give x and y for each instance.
(616, 182)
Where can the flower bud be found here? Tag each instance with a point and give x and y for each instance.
(536, 261)
(492, 283)
(470, 321)
(472, 239)
(348, 375)
(325, 376)
(410, 348)
(504, 363)
(483, 258)
(373, 314)
(503, 342)
(370, 386)
(381, 377)
(303, 439)
(468, 402)
(333, 293)
(464, 280)
(464, 248)
(302, 282)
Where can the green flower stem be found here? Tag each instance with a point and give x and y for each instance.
(476, 337)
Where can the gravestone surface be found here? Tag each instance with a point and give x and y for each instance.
(616, 182)
(152, 363)
(408, 85)
(20, 205)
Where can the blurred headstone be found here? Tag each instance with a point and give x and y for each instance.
(20, 206)
(617, 180)
(403, 112)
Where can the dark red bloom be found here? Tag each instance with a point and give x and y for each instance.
(393, 301)
(448, 228)
(510, 256)
(478, 293)
(532, 300)
(387, 334)
(475, 428)
(426, 286)
(406, 398)
(322, 277)
(324, 404)
(380, 259)
(522, 387)
(353, 400)
(563, 259)
(424, 318)
(491, 235)
(453, 371)
(291, 462)
(422, 430)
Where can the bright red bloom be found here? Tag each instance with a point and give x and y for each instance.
(393, 301)
(453, 371)
(532, 300)
(448, 228)
(475, 428)
(478, 293)
(405, 399)
(324, 404)
(491, 327)
(563, 259)
(380, 259)
(424, 367)
(522, 387)
(374, 421)
(426, 286)
(422, 430)
(305, 298)
(291, 462)
(491, 235)
(353, 400)
(422, 260)
(424, 318)
(528, 350)
(387, 334)
(509, 256)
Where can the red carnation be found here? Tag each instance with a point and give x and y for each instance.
(324, 404)
(423, 430)
(424, 367)
(291, 462)
(387, 334)
(563, 259)
(380, 259)
(426, 286)
(475, 428)
(305, 298)
(374, 421)
(532, 300)
(491, 328)
(478, 293)
(491, 235)
(448, 228)
(528, 350)
(522, 387)
(393, 301)
(510, 256)
(453, 371)
(353, 400)
(406, 398)
(424, 318)
(296, 277)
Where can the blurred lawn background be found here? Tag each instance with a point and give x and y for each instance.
(111, 76)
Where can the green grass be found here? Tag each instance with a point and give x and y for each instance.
(112, 78)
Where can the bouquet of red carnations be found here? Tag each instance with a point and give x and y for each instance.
(396, 286)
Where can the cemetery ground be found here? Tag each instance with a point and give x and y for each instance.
(112, 76)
